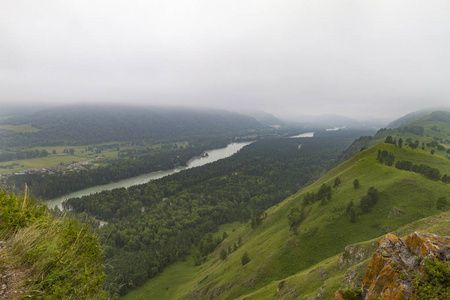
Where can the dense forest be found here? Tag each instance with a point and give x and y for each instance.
(155, 224)
(87, 125)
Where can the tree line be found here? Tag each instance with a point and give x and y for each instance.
(429, 172)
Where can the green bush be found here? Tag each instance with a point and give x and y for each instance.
(16, 213)
(434, 281)
(352, 293)
(245, 259)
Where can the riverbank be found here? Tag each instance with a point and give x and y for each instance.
(213, 155)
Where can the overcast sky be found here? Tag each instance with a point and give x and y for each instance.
(381, 58)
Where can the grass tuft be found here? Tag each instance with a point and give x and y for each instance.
(63, 256)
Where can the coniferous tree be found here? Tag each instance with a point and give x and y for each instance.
(442, 203)
(353, 214)
(389, 140)
(337, 182)
(223, 254)
(245, 259)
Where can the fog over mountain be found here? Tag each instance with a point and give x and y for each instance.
(359, 59)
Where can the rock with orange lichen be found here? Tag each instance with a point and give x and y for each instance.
(339, 295)
(389, 273)
(424, 244)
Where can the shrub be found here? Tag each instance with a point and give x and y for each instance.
(385, 157)
(370, 199)
(223, 254)
(295, 217)
(434, 281)
(245, 259)
(404, 165)
(442, 203)
(352, 293)
(337, 182)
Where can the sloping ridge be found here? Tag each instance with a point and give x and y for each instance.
(281, 254)
(296, 251)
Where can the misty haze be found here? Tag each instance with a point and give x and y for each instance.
(224, 149)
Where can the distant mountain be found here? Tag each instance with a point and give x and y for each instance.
(264, 118)
(93, 124)
(411, 117)
(414, 116)
(332, 120)
(8, 110)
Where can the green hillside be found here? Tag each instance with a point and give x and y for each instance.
(320, 230)
(432, 127)
(428, 131)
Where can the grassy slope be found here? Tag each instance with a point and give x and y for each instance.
(427, 122)
(327, 276)
(61, 257)
(278, 253)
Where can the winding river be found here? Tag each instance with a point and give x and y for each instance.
(213, 155)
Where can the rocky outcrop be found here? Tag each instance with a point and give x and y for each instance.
(388, 275)
(339, 295)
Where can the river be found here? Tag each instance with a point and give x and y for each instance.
(213, 155)
(303, 135)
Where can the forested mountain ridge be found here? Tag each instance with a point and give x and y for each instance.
(94, 124)
(289, 254)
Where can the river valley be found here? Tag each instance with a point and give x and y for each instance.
(213, 155)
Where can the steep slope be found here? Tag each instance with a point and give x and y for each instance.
(293, 236)
(42, 255)
(345, 270)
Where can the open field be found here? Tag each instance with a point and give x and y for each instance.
(54, 160)
(20, 128)
(81, 153)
